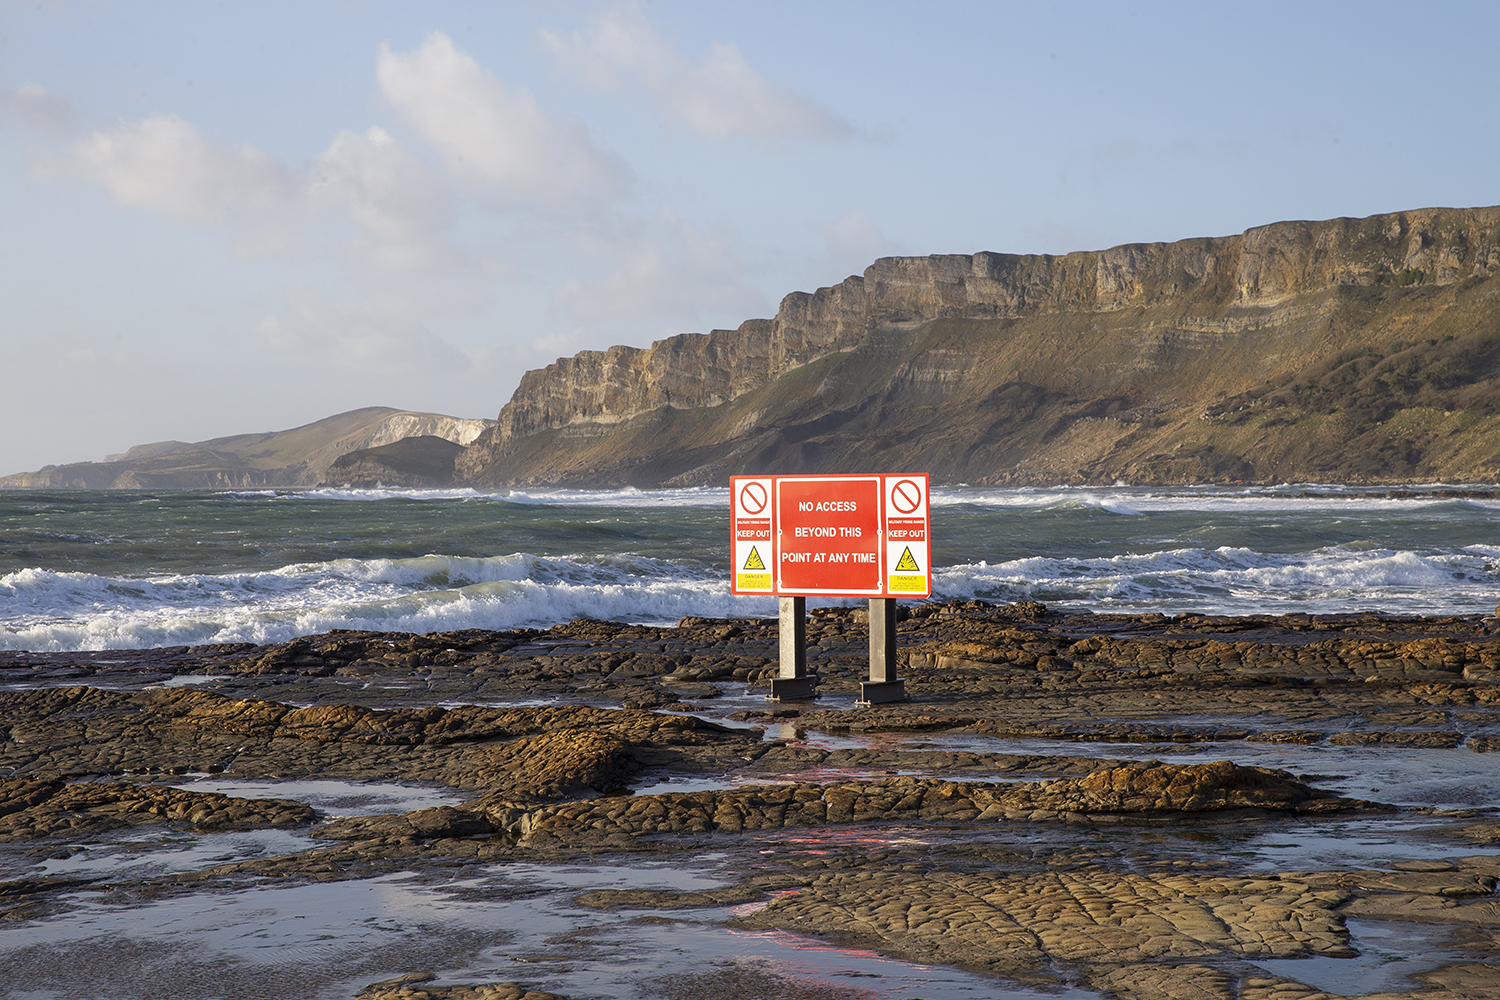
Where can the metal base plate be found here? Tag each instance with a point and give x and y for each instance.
(792, 689)
(879, 692)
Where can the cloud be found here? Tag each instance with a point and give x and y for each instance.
(667, 273)
(494, 136)
(719, 97)
(399, 203)
(164, 164)
(852, 243)
(42, 111)
(380, 338)
(400, 206)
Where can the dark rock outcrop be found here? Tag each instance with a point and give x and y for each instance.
(426, 460)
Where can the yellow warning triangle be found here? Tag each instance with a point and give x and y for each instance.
(907, 564)
(753, 560)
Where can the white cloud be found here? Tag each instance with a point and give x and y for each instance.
(381, 337)
(43, 111)
(396, 199)
(399, 205)
(494, 136)
(852, 244)
(164, 164)
(719, 97)
(668, 273)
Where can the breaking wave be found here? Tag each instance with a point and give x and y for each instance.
(48, 610)
(1237, 580)
(45, 610)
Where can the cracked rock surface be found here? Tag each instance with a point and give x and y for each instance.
(1026, 814)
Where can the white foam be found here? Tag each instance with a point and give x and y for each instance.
(382, 493)
(1237, 580)
(629, 496)
(1178, 499)
(45, 610)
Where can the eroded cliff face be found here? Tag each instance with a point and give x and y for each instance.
(1034, 346)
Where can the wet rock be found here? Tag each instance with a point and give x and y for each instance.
(28, 898)
(1457, 981)
(752, 980)
(1153, 788)
(1427, 907)
(420, 824)
(528, 754)
(1297, 736)
(543, 782)
(1426, 741)
(1022, 925)
(1482, 833)
(1462, 893)
(656, 899)
(1188, 981)
(1127, 792)
(31, 809)
(784, 760)
(418, 986)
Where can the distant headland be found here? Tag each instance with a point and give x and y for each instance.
(302, 456)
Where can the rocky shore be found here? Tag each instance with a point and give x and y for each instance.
(1095, 736)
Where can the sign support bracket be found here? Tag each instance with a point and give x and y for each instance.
(791, 681)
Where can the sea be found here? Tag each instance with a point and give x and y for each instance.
(88, 570)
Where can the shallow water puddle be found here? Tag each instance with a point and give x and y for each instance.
(306, 941)
(328, 940)
(667, 786)
(191, 680)
(149, 855)
(646, 958)
(583, 953)
(334, 798)
(1389, 954)
(811, 776)
(1324, 844)
(642, 875)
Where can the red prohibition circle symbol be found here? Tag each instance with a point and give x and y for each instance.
(906, 496)
(753, 498)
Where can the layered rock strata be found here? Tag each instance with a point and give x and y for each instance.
(1353, 349)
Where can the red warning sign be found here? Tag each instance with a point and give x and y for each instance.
(836, 536)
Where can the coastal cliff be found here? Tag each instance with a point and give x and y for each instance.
(1364, 350)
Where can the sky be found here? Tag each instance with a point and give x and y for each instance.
(226, 217)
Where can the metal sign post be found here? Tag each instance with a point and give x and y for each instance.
(883, 684)
(838, 536)
(791, 680)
